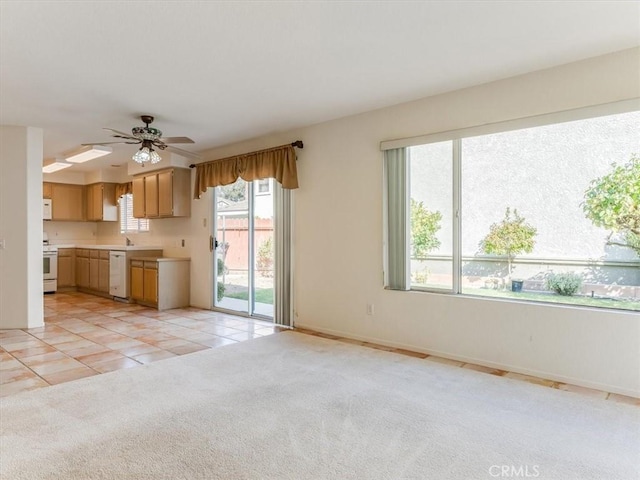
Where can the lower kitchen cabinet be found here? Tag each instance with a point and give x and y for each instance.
(150, 274)
(103, 272)
(160, 282)
(92, 272)
(92, 269)
(137, 280)
(82, 268)
(66, 267)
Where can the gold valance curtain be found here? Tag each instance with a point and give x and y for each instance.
(123, 189)
(278, 163)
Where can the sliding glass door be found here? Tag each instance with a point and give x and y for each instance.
(244, 248)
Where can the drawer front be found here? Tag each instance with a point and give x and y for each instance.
(94, 253)
(65, 252)
(104, 254)
(137, 263)
(82, 252)
(151, 265)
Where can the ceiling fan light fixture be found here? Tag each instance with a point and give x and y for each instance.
(155, 158)
(86, 153)
(146, 154)
(142, 156)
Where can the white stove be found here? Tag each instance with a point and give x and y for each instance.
(49, 265)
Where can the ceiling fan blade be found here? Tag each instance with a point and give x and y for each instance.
(118, 132)
(176, 140)
(137, 140)
(105, 143)
(182, 152)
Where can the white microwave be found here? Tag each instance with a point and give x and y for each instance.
(46, 209)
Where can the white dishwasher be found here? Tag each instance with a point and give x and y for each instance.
(117, 274)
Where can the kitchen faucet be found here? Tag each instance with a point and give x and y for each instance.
(129, 242)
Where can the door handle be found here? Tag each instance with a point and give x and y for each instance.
(213, 243)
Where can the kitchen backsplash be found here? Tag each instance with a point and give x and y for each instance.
(71, 232)
(167, 233)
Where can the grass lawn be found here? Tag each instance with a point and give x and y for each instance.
(554, 298)
(263, 295)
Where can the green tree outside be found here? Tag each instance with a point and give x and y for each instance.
(424, 226)
(613, 202)
(235, 192)
(511, 237)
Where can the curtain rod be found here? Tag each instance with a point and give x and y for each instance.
(297, 144)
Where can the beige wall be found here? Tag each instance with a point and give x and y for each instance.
(341, 190)
(21, 303)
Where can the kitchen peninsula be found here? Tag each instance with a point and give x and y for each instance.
(108, 271)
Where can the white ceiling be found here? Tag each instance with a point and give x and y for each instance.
(221, 72)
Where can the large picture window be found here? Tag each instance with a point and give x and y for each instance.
(547, 213)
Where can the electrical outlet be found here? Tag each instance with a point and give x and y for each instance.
(183, 242)
(371, 309)
(1, 243)
(204, 222)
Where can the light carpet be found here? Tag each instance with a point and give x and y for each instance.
(294, 406)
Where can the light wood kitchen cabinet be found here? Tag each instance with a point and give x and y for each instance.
(82, 268)
(46, 190)
(101, 202)
(137, 280)
(150, 282)
(165, 200)
(67, 202)
(160, 282)
(94, 270)
(144, 281)
(66, 267)
(151, 195)
(166, 194)
(99, 270)
(137, 190)
(103, 272)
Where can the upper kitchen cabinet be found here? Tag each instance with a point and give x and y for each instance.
(46, 190)
(101, 202)
(67, 202)
(137, 189)
(162, 194)
(151, 195)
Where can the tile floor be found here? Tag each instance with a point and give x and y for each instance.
(85, 335)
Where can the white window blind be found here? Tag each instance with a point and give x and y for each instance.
(128, 223)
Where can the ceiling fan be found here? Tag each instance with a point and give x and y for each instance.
(148, 137)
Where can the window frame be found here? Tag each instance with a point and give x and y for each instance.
(268, 184)
(456, 137)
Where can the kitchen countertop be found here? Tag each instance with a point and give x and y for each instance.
(121, 248)
(161, 259)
